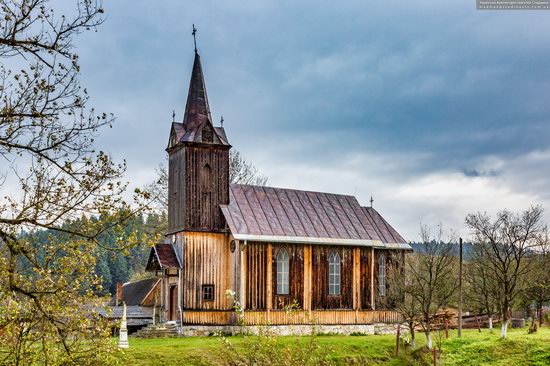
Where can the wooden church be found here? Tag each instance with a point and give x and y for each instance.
(263, 248)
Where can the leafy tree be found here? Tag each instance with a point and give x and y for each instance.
(55, 181)
(103, 271)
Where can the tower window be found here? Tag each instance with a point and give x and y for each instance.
(334, 274)
(208, 292)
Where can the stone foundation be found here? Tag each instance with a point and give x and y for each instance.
(283, 330)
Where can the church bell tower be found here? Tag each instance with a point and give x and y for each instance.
(198, 168)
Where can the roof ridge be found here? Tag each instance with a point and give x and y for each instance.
(293, 189)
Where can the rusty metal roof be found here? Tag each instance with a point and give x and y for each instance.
(162, 256)
(385, 231)
(286, 215)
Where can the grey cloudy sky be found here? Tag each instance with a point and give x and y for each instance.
(433, 107)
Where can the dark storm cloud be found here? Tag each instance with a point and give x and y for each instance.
(398, 89)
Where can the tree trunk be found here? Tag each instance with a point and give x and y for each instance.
(504, 327)
(413, 336)
(429, 340)
(491, 322)
(541, 317)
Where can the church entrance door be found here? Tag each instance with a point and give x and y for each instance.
(173, 302)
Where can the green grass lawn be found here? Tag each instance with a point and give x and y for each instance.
(473, 349)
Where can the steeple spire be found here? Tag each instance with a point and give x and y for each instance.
(197, 125)
(197, 110)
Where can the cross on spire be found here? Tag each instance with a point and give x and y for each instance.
(194, 33)
(371, 201)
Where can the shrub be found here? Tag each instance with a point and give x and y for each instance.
(266, 348)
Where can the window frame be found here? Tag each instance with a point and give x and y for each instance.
(382, 275)
(280, 280)
(208, 292)
(334, 274)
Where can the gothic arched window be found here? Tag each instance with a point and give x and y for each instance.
(382, 276)
(282, 272)
(334, 274)
(206, 178)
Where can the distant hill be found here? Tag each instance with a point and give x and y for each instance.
(466, 248)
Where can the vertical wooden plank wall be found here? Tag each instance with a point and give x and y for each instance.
(206, 180)
(176, 190)
(365, 280)
(356, 278)
(256, 263)
(207, 261)
(198, 182)
(269, 277)
(308, 278)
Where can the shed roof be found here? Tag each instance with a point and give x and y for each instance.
(133, 293)
(286, 215)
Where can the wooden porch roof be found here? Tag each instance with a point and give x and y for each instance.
(162, 256)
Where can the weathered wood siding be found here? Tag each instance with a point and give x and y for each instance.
(296, 276)
(308, 277)
(329, 317)
(257, 263)
(198, 183)
(321, 298)
(256, 275)
(280, 317)
(365, 278)
(209, 317)
(176, 190)
(356, 278)
(207, 260)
